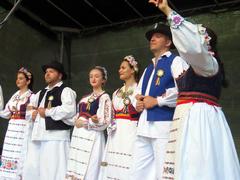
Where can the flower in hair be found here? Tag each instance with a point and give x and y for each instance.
(205, 37)
(26, 72)
(104, 70)
(132, 61)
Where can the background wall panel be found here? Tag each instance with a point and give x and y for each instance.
(20, 45)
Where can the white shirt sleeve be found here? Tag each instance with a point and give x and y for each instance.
(138, 90)
(6, 113)
(104, 114)
(1, 99)
(168, 98)
(178, 67)
(32, 106)
(192, 41)
(67, 110)
(113, 96)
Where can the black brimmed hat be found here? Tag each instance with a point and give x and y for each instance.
(160, 28)
(57, 66)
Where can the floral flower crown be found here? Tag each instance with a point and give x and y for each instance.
(26, 72)
(205, 37)
(132, 61)
(104, 71)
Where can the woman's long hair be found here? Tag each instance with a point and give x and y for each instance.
(213, 44)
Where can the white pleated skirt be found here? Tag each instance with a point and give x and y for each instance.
(118, 157)
(201, 146)
(86, 151)
(14, 149)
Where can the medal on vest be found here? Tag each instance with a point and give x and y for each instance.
(126, 102)
(89, 102)
(160, 73)
(50, 99)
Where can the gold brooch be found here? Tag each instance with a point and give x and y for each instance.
(89, 102)
(50, 99)
(160, 73)
(126, 101)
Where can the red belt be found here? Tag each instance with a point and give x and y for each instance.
(125, 116)
(196, 97)
(17, 117)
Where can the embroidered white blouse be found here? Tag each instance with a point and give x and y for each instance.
(104, 113)
(14, 103)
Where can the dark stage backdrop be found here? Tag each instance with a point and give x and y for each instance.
(21, 45)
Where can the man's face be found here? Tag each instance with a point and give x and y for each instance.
(159, 42)
(52, 76)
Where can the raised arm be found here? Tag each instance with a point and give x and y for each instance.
(191, 41)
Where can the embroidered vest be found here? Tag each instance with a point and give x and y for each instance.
(166, 81)
(22, 111)
(55, 97)
(191, 82)
(92, 110)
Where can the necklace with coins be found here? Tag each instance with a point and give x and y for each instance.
(16, 100)
(122, 93)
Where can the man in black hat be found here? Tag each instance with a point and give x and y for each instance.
(52, 114)
(156, 100)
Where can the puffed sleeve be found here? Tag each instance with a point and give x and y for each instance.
(32, 106)
(138, 90)
(6, 113)
(192, 43)
(112, 126)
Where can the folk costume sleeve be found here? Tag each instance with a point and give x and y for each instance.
(104, 114)
(192, 43)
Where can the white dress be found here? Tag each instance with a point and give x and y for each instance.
(118, 158)
(201, 146)
(88, 142)
(17, 135)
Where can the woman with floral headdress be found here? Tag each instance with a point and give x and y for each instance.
(117, 159)
(200, 146)
(88, 141)
(15, 142)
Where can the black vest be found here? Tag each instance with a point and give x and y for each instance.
(191, 82)
(56, 101)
